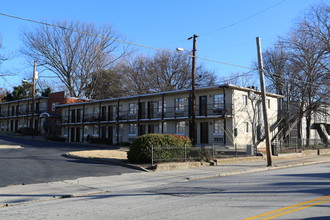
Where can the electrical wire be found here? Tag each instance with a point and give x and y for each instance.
(244, 19)
(299, 80)
(121, 41)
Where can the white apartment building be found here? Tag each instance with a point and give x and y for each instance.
(225, 115)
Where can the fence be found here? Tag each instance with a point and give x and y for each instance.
(200, 153)
(298, 145)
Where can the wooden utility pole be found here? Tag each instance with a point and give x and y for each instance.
(193, 130)
(264, 106)
(34, 80)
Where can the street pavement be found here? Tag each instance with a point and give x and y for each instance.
(31, 161)
(20, 194)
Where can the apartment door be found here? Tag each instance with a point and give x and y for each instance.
(150, 109)
(103, 113)
(142, 130)
(110, 113)
(72, 134)
(78, 131)
(142, 110)
(204, 131)
(110, 134)
(151, 129)
(203, 105)
(103, 132)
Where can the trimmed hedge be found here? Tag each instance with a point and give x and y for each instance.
(56, 139)
(27, 131)
(140, 150)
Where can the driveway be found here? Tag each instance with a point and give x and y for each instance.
(41, 161)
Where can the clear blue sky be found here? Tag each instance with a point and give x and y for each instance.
(227, 29)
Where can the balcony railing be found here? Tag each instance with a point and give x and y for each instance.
(219, 110)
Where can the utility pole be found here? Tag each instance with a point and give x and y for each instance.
(264, 106)
(193, 130)
(34, 80)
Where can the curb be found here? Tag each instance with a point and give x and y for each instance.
(257, 170)
(112, 161)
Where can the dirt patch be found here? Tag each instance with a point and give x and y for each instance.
(111, 154)
(10, 146)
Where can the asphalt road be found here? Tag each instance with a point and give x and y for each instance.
(42, 161)
(294, 193)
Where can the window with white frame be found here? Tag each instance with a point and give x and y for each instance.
(244, 100)
(133, 108)
(218, 101)
(180, 127)
(218, 127)
(161, 105)
(162, 127)
(179, 104)
(132, 129)
(246, 127)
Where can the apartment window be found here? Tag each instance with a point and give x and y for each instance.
(180, 127)
(268, 103)
(96, 113)
(133, 107)
(179, 104)
(164, 128)
(132, 129)
(65, 131)
(88, 130)
(218, 101)
(218, 127)
(244, 100)
(95, 130)
(161, 105)
(54, 104)
(246, 127)
(66, 116)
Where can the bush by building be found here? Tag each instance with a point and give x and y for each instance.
(141, 148)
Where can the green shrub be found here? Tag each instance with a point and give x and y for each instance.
(140, 150)
(27, 131)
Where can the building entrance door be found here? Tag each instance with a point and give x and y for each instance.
(203, 105)
(204, 129)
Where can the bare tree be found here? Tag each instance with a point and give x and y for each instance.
(111, 85)
(163, 71)
(73, 51)
(3, 58)
(298, 66)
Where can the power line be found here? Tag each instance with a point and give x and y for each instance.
(121, 41)
(244, 19)
(299, 80)
(233, 24)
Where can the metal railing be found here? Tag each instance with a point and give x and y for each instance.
(203, 153)
(298, 145)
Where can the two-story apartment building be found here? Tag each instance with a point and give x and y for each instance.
(38, 113)
(22, 113)
(225, 114)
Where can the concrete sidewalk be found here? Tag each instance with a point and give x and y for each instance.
(20, 194)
